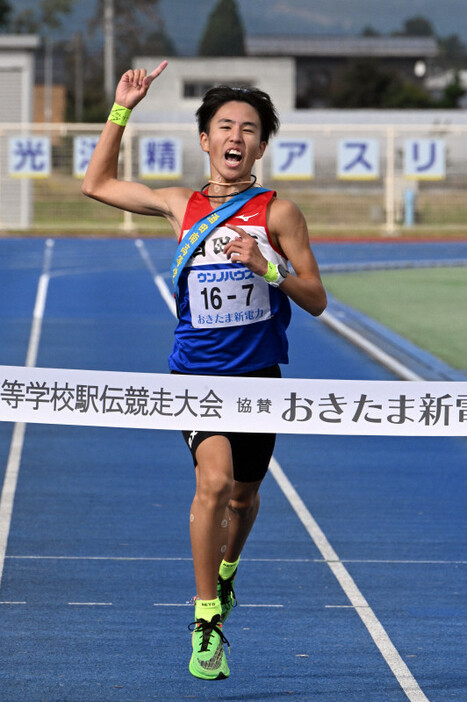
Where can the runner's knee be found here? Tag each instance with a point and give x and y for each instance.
(245, 500)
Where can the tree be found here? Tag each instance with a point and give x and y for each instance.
(224, 33)
(138, 29)
(46, 13)
(5, 12)
(407, 96)
(452, 52)
(369, 31)
(157, 43)
(366, 85)
(418, 27)
(452, 94)
(363, 84)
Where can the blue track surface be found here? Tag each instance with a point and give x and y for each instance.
(98, 567)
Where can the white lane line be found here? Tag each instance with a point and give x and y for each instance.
(372, 561)
(339, 607)
(190, 604)
(99, 558)
(90, 604)
(158, 279)
(39, 306)
(387, 649)
(173, 604)
(371, 349)
(17, 440)
(166, 296)
(387, 561)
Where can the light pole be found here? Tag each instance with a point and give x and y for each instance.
(109, 50)
(79, 97)
(48, 78)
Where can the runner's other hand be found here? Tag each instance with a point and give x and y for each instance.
(244, 249)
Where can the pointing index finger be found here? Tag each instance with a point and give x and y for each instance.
(241, 232)
(156, 72)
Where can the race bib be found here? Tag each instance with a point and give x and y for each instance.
(227, 296)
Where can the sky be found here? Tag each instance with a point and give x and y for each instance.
(185, 19)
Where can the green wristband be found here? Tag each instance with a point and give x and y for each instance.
(272, 273)
(119, 115)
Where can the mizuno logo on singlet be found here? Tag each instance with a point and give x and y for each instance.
(246, 217)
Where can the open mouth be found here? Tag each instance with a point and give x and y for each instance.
(233, 156)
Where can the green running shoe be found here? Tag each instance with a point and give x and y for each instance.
(208, 660)
(226, 595)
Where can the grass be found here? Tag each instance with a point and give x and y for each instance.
(61, 209)
(426, 306)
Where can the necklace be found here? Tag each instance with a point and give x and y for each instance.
(236, 192)
(240, 182)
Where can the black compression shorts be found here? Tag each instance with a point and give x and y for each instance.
(251, 453)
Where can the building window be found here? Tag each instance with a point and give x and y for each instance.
(197, 89)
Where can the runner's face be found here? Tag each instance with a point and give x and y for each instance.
(233, 141)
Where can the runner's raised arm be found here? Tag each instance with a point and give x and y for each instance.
(101, 180)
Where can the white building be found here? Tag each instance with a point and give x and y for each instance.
(17, 71)
(179, 90)
(16, 107)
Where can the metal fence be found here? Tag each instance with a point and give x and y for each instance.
(380, 178)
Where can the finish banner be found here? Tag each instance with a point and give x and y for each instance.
(193, 402)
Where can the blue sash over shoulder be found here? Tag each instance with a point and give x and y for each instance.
(204, 226)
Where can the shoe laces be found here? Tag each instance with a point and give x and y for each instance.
(226, 590)
(208, 629)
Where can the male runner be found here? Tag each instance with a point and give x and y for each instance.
(237, 327)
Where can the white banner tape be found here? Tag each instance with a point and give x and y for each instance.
(286, 405)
